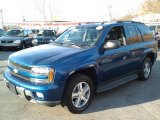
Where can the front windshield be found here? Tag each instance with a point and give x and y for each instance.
(46, 33)
(14, 33)
(80, 36)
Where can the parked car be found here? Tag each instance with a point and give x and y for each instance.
(35, 31)
(19, 39)
(156, 32)
(1, 32)
(157, 37)
(45, 37)
(85, 59)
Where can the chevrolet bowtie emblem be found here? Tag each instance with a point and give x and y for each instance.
(15, 70)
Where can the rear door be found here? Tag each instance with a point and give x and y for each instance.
(136, 44)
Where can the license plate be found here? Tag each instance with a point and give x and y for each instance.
(12, 88)
(8, 44)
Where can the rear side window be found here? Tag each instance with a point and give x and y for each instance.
(146, 33)
(133, 35)
(139, 35)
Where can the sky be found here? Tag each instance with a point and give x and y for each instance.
(69, 10)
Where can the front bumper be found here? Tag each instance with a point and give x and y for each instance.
(9, 45)
(50, 95)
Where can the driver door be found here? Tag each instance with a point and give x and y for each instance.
(115, 62)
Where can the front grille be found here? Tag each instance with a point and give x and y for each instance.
(20, 76)
(19, 66)
(6, 41)
(43, 41)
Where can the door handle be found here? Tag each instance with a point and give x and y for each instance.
(125, 57)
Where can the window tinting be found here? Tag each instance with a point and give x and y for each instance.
(145, 31)
(133, 38)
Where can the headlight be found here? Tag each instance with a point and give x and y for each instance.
(35, 41)
(43, 71)
(51, 40)
(17, 41)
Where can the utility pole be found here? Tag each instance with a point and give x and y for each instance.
(1, 15)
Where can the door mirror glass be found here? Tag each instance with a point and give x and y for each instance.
(112, 44)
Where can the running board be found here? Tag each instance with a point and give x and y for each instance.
(118, 82)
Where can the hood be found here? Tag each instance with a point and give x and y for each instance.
(8, 38)
(42, 55)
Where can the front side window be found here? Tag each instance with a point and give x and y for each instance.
(81, 36)
(117, 33)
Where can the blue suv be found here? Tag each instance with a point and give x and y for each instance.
(84, 60)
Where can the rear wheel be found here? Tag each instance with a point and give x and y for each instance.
(146, 70)
(79, 93)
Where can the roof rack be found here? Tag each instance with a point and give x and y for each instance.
(128, 22)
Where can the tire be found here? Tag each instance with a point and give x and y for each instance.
(22, 46)
(146, 70)
(1, 48)
(76, 99)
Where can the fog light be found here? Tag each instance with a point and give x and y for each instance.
(51, 41)
(28, 93)
(4, 79)
(40, 95)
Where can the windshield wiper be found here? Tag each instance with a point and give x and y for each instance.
(58, 43)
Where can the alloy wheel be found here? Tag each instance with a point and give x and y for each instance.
(80, 94)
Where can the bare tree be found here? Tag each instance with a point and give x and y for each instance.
(40, 5)
(110, 8)
(47, 8)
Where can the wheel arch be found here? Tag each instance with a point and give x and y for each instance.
(152, 57)
(91, 72)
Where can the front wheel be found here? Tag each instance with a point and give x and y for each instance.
(22, 46)
(79, 93)
(146, 70)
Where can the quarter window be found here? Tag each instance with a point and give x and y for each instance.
(146, 33)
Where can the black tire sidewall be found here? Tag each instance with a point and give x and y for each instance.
(22, 45)
(72, 83)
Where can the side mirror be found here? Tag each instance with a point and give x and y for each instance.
(112, 44)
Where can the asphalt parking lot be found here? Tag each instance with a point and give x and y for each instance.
(133, 101)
